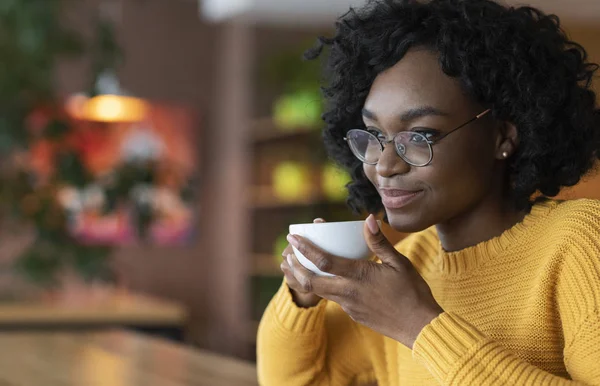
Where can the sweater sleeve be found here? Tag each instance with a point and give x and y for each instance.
(456, 353)
(315, 346)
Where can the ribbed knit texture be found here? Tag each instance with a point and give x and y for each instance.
(520, 309)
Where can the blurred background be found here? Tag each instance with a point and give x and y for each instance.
(154, 152)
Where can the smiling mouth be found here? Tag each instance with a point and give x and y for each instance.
(396, 198)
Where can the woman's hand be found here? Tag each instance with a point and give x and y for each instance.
(301, 297)
(390, 298)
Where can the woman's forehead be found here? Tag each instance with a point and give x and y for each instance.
(414, 82)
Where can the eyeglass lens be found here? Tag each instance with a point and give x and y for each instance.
(412, 147)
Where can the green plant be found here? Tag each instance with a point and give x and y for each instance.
(298, 82)
(288, 71)
(33, 39)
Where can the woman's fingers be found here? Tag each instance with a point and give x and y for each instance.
(303, 279)
(289, 248)
(302, 275)
(287, 267)
(299, 295)
(290, 251)
(287, 251)
(291, 280)
(326, 262)
(310, 282)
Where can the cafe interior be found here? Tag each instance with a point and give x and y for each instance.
(154, 153)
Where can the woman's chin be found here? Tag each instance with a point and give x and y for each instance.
(407, 222)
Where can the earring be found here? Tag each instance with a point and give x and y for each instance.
(504, 154)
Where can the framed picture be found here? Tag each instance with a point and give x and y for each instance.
(126, 182)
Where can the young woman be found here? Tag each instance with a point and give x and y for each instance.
(458, 119)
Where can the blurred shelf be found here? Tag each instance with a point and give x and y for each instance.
(272, 144)
(273, 203)
(265, 130)
(105, 307)
(263, 198)
(265, 265)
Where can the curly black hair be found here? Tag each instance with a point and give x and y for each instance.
(517, 61)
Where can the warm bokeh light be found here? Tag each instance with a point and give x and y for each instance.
(334, 181)
(114, 108)
(291, 181)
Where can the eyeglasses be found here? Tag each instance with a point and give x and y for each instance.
(413, 147)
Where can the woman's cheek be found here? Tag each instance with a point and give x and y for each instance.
(371, 173)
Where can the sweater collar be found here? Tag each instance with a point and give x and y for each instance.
(470, 258)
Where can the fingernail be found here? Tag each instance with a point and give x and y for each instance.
(289, 260)
(292, 240)
(372, 224)
(318, 220)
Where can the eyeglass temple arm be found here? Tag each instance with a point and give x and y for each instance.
(483, 113)
(480, 115)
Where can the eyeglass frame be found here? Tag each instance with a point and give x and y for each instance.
(429, 142)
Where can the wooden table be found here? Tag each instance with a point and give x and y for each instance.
(89, 311)
(113, 358)
(118, 307)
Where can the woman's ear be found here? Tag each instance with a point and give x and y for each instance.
(508, 140)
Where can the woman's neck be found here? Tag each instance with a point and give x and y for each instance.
(489, 219)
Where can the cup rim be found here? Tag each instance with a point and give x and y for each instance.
(335, 223)
(331, 223)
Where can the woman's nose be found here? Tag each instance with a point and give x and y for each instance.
(390, 163)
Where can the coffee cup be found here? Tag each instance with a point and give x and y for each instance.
(343, 239)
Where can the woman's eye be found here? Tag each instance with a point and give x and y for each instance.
(377, 134)
(424, 134)
(417, 138)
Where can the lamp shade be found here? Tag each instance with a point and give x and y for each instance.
(114, 108)
(112, 104)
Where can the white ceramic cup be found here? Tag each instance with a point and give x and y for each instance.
(343, 239)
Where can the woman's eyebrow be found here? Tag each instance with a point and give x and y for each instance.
(411, 114)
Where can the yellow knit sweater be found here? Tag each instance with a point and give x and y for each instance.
(520, 309)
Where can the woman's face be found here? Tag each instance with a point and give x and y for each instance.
(416, 95)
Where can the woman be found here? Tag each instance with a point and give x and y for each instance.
(451, 115)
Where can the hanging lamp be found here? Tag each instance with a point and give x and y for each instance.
(112, 104)
(109, 103)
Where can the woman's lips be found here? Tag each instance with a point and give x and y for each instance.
(396, 198)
